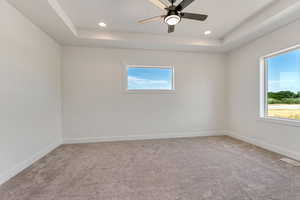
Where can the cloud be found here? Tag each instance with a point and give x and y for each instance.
(282, 85)
(137, 80)
(141, 83)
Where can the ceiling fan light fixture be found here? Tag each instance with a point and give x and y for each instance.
(172, 19)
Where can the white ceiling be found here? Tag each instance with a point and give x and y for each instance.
(232, 22)
(122, 15)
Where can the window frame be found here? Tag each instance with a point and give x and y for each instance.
(150, 91)
(263, 101)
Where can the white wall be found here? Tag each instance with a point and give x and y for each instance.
(96, 106)
(243, 94)
(30, 121)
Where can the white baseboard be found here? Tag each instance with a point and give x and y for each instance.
(265, 145)
(26, 163)
(144, 136)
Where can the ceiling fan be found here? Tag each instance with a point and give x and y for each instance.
(174, 13)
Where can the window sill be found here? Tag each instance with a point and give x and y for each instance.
(286, 122)
(150, 91)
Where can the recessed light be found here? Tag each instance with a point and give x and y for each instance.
(102, 24)
(207, 32)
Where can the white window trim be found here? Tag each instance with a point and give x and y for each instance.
(150, 91)
(263, 104)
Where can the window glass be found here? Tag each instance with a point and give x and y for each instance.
(283, 85)
(150, 78)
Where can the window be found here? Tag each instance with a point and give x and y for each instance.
(281, 85)
(144, 78)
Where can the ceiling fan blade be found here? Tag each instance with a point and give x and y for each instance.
(160, 4)
(171, 28)
(152, 19)
(184, 4)
(194, 16)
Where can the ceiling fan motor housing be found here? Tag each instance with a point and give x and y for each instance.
(172, 11)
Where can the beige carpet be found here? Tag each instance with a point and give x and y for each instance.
(209, 168)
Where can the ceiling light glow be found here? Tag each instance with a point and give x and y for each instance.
(208, 32)
(172, 20)
(102, 24)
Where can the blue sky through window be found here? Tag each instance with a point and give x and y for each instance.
(144, 78)
(284, 72)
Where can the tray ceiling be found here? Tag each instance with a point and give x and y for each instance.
(232, 22)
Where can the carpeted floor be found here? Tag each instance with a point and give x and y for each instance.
(207, 168)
